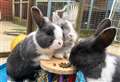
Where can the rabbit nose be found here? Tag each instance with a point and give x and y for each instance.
(60, 42)
(57, 44)
(70, 36)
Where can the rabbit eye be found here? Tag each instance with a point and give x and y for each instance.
(49, 33)
(62, 27)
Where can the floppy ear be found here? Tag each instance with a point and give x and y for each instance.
(105, 23)
(104, 38)
(37, 15)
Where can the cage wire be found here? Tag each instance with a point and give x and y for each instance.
(5, 14)
(13, 18)
(94, 12)
(13, 15)
(11, 22)
(115, 16)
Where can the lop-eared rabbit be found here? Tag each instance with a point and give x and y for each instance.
(90, 57)
(23, 62)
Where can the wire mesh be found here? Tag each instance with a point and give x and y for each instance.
(14, 12)
(115, 16)
(8, 29)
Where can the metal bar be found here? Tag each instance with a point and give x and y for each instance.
(90, 13)
(79, 15)
(49, 8)
(113, 5)
(112, 12)
(13, 8)
(108, 2)
(20, 10)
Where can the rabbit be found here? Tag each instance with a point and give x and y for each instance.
(23, 62)
(69, 33)
(105, 23)
(90, 57)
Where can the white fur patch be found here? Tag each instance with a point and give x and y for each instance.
(72, 31)
(46, 19)
(107, 72)
(58, 38)
(58, 31)
(31, 34)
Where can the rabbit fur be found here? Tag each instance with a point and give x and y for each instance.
(23, 62)
(69, 33)
(90, 56)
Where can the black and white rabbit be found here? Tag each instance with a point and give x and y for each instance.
(89, 56)
(69, 33)
(23, 62)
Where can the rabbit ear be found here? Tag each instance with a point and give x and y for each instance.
(37, 15)
(105, 38)
(57, 15)
(60, 14)
(103, 25)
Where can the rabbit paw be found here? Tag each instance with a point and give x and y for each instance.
(42, 57)
(67, 55)
(45, 57)
(59, 55)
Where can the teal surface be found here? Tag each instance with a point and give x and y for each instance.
(3, 73)
(80, 77)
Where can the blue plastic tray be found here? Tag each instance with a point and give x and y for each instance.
(3, 73)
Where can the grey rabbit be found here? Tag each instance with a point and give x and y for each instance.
(69, 34)
(90, 56)
(23, 62)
